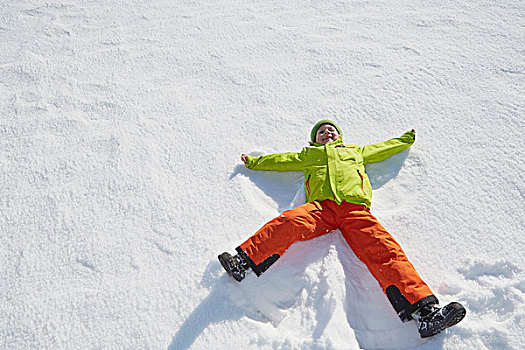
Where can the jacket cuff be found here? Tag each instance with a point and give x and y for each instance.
(250, 162)
(409, 136)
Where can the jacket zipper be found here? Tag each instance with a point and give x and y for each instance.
(307, 184)
(362, 182)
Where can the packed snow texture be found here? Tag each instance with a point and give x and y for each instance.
(122, 125)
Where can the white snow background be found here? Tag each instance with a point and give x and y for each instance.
(122, 125)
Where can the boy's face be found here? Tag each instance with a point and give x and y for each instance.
(326, 133)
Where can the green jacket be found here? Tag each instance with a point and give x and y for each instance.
(335, 171)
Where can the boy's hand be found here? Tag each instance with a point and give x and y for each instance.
(244, 158)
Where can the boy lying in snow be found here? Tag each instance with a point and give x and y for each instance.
(338, 195)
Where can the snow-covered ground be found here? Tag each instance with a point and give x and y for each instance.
(121, 127)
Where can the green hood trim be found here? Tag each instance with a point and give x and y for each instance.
(321, 122)
(336, 142)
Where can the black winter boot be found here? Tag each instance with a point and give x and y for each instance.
(431, 319)
(234, 265)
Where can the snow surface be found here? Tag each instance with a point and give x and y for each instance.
(122, 123)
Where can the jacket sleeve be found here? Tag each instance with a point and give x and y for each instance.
(289, 161)
(380, 151)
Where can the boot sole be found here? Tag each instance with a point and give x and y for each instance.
(457, 315)
(452, 318)
(223, 258)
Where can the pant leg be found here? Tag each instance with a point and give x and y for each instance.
(305, 222)
(386, 261)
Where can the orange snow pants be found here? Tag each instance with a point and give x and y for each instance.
(371, 243)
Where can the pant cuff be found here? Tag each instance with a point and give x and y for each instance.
(258, 268)
(403, 307)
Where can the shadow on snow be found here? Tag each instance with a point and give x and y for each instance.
(283, 187)
(262, 299)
